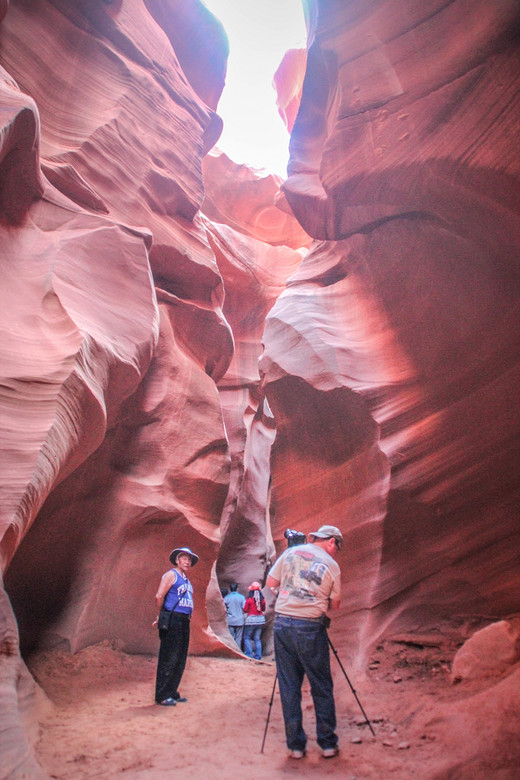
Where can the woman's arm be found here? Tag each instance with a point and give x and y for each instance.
(165, 584)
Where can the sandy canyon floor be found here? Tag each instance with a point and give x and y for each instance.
(103, 722)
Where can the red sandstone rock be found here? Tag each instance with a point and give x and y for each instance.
(80, 326)
(254, 275)
(244, 199)
(199, 41)
(20, 181)
(67, 360)
(491, 651)
(391, 360)
(152, 485)
(481, 734)
(288, 82)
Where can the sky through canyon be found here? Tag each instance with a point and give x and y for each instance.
(259, 32)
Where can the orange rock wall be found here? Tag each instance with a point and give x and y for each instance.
(182, 361)
(131, 333)
(391, 359)
(112, 436)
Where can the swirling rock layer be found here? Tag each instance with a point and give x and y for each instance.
(102, 133)
(398, 336)
(190, 356)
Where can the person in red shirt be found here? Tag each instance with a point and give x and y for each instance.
(254, 609)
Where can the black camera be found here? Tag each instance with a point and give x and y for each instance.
(294, 538)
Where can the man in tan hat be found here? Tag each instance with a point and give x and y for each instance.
(307, 580)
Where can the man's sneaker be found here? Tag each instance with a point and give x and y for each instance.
(330, 752)
(169, 702)
(297, 754)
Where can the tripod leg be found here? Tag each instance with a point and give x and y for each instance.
(269, 713)
(351, 686)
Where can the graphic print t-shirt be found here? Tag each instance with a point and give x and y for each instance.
(180, 595)
(309, 577)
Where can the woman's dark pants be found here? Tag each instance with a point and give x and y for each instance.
(172, 657)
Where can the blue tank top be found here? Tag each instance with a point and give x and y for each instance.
(180, 595)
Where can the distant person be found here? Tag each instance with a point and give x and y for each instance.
(174, 600)
(307, 579)
(254, 609)
(234, 602)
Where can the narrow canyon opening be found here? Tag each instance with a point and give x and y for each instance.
(204, 349)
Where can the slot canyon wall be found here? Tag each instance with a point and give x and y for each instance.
(190, 353)
(391, 360)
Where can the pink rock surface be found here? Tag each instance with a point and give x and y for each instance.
(288, 82)
(136, 283)
(70, 353)
(199, 41)
(108, 529)
(20, 180)
(97, 492)
(489, 652)
(254, 275)
(398, 336)
(482, 740)
(246, 200)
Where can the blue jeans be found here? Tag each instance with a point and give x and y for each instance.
(237, 633)
(301, 648)
(252, 635)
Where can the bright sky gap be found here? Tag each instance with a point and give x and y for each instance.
(259, 32)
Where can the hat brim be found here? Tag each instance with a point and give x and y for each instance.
(337, 539)
(178, 550)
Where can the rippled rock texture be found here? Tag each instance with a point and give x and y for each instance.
(131, 331)
(184, 362)
(391, 360)
(112, 436)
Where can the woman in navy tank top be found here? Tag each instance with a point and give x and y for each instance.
(174, 600)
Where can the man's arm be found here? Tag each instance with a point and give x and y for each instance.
(335, 594)
(272, 582)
